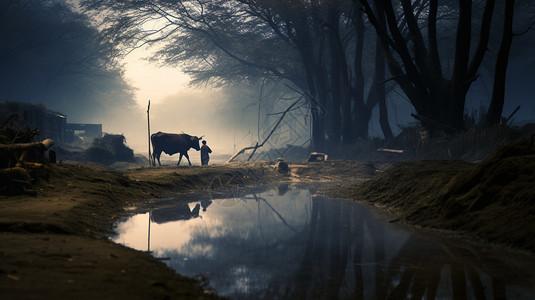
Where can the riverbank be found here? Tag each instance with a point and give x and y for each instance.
(492, 201)
(53, 241)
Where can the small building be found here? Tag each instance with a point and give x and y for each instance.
(52, 125)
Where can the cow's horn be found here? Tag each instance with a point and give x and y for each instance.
(200, 138)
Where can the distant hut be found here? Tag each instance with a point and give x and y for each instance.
(51, 124)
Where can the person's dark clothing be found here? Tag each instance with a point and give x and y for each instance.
(205, 157)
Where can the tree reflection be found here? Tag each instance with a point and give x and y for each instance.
(333, 265)
(326, 249)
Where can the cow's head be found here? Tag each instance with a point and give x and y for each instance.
(194, 142)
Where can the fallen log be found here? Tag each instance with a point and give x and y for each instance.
(390, 150)
(44, 145)
(29, 165)
(18, 154)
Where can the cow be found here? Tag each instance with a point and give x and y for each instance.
(172, 143)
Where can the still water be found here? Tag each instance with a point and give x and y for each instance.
(288, 243)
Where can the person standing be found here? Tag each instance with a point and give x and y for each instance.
(205, 156)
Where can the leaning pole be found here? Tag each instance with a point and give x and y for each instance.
(148, 127)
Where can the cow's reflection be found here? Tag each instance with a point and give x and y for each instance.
(205, 203)
(175, 213)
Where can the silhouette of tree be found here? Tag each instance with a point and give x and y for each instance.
(415, 64)
(319, 47)
(494, 113)
(435, 78)
(49, 53)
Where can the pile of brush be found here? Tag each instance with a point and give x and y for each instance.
(109, 149)
(20, 155)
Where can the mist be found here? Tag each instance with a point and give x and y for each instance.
(359, 149)
(78, 73)
(210, 113)
(72, 73)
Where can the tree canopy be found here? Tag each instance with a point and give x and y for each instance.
(329, 51)
(317, 47)
(52, 54)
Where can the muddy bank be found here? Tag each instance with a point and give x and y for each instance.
(492, 201)
(56, 266)
(53, 239)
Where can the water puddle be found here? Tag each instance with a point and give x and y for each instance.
(288, 243)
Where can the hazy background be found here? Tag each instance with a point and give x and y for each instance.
(50, 53)
(175, 107)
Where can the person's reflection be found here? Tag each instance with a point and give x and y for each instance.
(175, 213)
(282, 189)
(205, 203)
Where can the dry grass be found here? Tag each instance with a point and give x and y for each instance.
(493, 200)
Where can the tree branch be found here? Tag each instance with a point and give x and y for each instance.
(434, 56)
(483, 39)
(267, 138)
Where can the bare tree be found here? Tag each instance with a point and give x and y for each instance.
(414, 61)
(494, 113)
(307, 43)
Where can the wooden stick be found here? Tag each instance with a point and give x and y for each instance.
(148, 126)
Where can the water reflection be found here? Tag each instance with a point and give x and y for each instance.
(176, 213)
(287, 243)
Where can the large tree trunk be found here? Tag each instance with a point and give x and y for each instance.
(362, 114)
(498, 92)
(459, 78)
(335, 76)
(362, 122)
(315, 79)
(348, 130)
(318, 132)
(380, 70)
(417, 70)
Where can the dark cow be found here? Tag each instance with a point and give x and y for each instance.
(172, 143)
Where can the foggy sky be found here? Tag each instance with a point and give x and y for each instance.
(195, 112)
(229, 123)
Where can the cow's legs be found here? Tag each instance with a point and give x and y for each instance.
(180, 158)
(156, 155)
(187, 156)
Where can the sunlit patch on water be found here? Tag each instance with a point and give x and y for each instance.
(290, 243)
